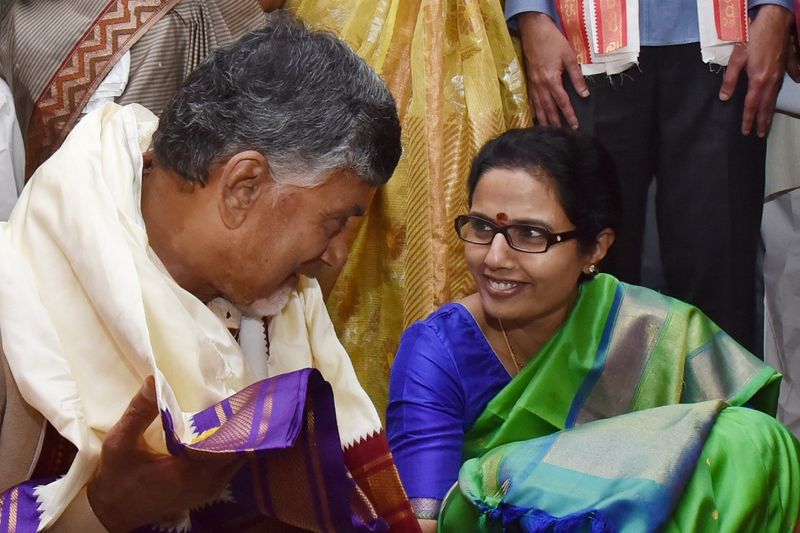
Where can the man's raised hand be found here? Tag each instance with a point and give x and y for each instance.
(134, 486)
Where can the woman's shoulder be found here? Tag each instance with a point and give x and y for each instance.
(450, 319)
(451, 331)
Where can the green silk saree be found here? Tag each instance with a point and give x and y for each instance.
(614, 377)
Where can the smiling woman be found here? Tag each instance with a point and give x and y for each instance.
(554, 358)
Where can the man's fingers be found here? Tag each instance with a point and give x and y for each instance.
(764, 115)
(793, 70)
(576, 77)
(735, 65)
(141, 412)
(539, 115)
(550, 109)
(751, 102)
(561, 98)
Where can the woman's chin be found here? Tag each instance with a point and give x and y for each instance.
(502, 308)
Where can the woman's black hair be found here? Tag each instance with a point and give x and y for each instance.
(579, 168)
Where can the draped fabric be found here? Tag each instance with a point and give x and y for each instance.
(623, 348)
(605, 33)
(454, 72)
(563, 423)
(683, 467)
(54, 56)
(87, 310)
(286, 426)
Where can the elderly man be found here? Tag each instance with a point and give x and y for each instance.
(109, 261)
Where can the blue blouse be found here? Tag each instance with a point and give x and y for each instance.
(443, 376)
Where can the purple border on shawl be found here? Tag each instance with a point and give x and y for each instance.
(255, 469)
(338, 483)
(291, 394)
(288, 395)
(27, 507)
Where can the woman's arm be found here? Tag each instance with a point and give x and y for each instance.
(428, 526)
(425, 419)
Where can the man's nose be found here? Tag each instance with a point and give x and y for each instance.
(335, 254)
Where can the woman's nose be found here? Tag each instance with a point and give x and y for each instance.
(499, 253)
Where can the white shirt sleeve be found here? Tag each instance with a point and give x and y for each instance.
(112, 86)
(12, 153)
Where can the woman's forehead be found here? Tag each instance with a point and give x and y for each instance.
(513, 187)
(511, 195)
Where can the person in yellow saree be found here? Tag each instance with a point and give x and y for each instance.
(458, 82)
(561, 399)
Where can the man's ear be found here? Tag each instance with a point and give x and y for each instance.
(244, 178)
(147, 158)
(603, 242)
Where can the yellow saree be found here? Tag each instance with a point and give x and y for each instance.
(458, 82)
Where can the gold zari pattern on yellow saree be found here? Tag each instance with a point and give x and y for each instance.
(458, 82)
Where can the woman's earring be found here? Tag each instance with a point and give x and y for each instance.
(592, 269)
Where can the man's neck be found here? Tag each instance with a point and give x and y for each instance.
(166, 213)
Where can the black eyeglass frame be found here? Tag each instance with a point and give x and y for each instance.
(550, 237)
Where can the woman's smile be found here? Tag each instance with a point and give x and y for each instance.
(502, 288)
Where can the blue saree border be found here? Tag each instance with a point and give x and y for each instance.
(599, 361)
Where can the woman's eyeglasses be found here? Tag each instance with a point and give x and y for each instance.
(522, 237)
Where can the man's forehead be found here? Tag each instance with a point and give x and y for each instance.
(342, 208)
(346, 194)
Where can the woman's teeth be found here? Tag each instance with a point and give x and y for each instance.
(502, 285)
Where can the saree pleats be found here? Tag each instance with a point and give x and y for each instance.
(729, 490)
(458, 82)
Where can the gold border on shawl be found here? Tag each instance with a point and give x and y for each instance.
(364, 469)
(383, 484)
(266, 415)
(13, 509)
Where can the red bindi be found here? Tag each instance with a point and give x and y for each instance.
(501, 218)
